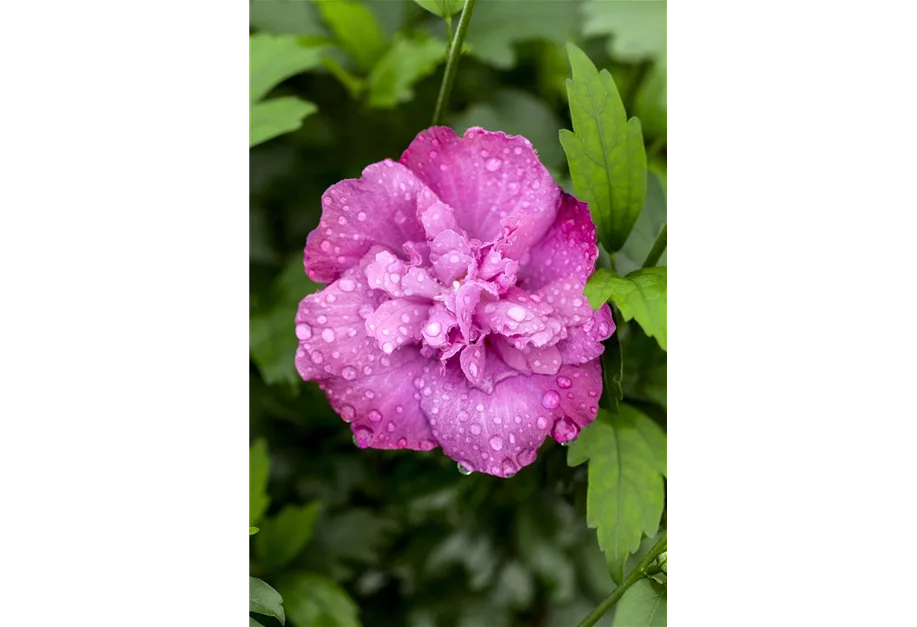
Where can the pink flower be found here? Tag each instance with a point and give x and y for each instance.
(454, 314)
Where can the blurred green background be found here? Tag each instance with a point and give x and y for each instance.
(377, 538)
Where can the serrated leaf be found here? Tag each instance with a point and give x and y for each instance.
(263, 599)
(516, 112)
(284, 536)
(641, 295)
(275, 58)
(259, 467)
(643, 605)
(497, 25)
(356, 30)
(442, 8)
(625, 495)
(404, 64)
(605, 151)
(637, 27)
(646, 229)
(275, 117)
(313, 600)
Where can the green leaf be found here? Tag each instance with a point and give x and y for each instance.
(605, 151)
(253, 530)
(497, 25)
(313, 600)
(625, 495)
(442, 8)
(405, 63)
(637, 27)
(275, 58)
(646, 229)
(285, 17)
(253, 623)
(263, 599)
(640, 295)
(284, 536)
(357, 30)
(650, 104)
(643, 605)
(613, 370)
(517, 113)
(259, 467)
(275, 117)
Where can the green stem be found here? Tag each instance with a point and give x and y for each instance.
(635, 575)
(448, 29)
(455, 51)
(658, 248)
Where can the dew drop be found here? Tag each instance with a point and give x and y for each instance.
(542, 422)
(465, 468)
(303, 331)
(509, 468)
(349, 373)
(387, 348)
(362, 436)
(565, 430)
(493, 164)
(427, 445)
(317, 357)
(496, 443)
(476, 429)
(564, 383)
(375, 416)
(390, 426)
(347, 285)
(516, 312)
(328, 335)
(402, 442)
(551, 399)
(433, 328)
(347, 413)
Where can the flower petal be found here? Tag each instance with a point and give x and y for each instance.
(567, 251)
(378, 208)
(496, 433)
(485, 176)
(383, 409)
(332, 335)
(397, 323)
(571, 398)
(584, 343)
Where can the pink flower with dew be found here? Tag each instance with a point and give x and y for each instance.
(454, 313)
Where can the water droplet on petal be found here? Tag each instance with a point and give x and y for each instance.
(565, 430)
(347, 413)
(551, 399)
(465, 468)
(509, 468)
(375, 416)
(433, 328)
(317, 357)
(303, 331)
(390, 426)
(516, 312)
(388, 348)
(347, 285)
(476, 429)
(493, 164)
(349, 373)
(328, 335)
(542, 422)
(564, 383)
(496, 443)
(427, 445)
(526, 456)
(362, 436)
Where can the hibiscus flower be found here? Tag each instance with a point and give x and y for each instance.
(454, 313)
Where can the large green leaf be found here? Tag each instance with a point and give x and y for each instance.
(637, 27)
(284, 536)
(646, 229)
(625, 495)
(643, 605)
(275, 117)
(313, 600)
(497, 25)
(259, 467)
(356, 29)
(263, 599)
(442, 8)
(641, 295)
(605, 151)
(285, 17)
(517, 113)
(273, 59)
(405, 63)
